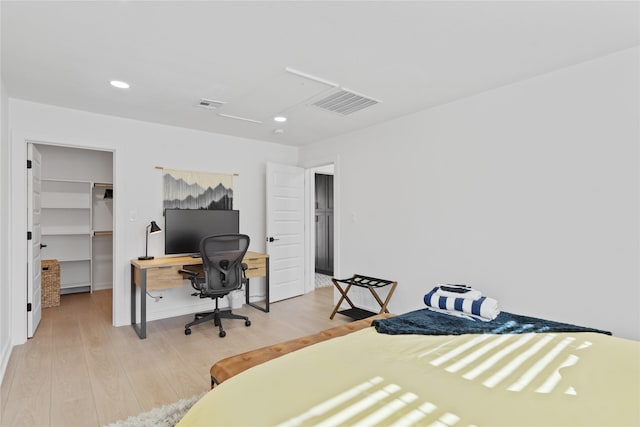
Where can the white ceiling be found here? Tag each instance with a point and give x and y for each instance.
(409, 55)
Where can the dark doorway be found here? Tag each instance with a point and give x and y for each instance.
(324, 223)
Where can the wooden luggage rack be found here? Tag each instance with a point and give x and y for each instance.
(360, 281)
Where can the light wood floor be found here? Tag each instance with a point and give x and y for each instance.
(78, 370)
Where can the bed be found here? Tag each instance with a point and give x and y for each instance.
(412, 370)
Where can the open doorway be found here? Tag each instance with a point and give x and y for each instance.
(76, 220)
(324, 230)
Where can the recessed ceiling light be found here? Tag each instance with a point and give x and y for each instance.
(119, 84)
(280, 119)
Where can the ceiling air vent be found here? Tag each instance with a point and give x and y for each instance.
(210, 104)
(345, 102)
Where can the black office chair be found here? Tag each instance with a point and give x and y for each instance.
(224, 272)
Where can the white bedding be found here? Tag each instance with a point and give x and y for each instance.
(366, 378)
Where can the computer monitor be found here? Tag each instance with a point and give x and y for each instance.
(185, 228)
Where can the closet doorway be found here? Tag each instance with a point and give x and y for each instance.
(77, 217)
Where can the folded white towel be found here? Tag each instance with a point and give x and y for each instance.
(464, 291)
(483, 306)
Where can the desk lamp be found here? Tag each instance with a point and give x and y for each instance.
(151, 229)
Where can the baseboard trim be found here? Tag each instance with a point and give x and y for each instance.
(102, 286)
(156, 313)
(206, 305)
(4, 361)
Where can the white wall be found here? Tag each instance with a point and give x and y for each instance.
(139, 147)
(5, 290)
(76, 164)
(529, 192)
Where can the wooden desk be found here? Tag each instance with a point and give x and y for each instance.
(163, 273)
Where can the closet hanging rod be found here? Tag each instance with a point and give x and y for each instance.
(162, 168)
(102, 184)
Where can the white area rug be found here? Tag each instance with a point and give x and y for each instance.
(165, 416)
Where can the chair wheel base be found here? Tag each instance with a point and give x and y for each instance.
(216, 316)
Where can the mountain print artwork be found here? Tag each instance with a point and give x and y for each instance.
(197, 190)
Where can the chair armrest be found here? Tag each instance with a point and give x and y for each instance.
(193, 278)
(188, 272)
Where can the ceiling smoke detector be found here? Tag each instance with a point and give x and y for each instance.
(345, 102)
(210, 104)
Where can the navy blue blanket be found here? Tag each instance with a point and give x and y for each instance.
(428, 322)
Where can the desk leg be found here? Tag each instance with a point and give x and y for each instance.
(133, 296)
(266, 301)
(142, 329)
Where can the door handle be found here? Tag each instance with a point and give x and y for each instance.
(42, 246)
(271, 239)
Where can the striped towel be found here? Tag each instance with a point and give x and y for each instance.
(483, 306)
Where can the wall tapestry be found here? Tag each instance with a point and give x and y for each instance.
(197, 190)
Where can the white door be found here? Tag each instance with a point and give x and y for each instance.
(285, 231)
(33, 246)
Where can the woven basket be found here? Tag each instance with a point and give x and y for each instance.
(50, 283)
